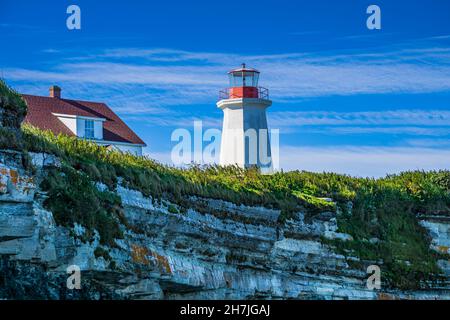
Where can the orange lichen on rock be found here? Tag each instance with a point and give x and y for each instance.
(443, 249)
(386, 296)
(139, 254)
(10, 177)
(4, 178)
(145, 256)
(162, 262)
(14, 176)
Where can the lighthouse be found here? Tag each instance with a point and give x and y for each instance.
(245, 136)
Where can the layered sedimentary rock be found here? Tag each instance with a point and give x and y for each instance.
(224, 252)
(439, 230)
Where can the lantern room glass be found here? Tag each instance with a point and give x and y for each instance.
(243, 78)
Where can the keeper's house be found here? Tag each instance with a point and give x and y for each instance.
(94, 121)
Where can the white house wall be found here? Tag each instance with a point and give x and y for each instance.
(77, 126)
(70, 123)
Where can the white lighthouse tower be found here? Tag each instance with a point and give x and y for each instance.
(245, 136)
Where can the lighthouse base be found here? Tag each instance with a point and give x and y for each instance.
(245, 136)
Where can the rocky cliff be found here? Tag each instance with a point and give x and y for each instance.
(225, 251)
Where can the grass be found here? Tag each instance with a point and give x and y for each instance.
(425, 192)
(315, 203)
(152, 179)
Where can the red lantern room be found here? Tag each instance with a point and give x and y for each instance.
(244, 84)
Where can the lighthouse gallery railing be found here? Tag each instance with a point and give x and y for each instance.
(227, 93)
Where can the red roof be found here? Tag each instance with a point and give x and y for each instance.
(41, 109)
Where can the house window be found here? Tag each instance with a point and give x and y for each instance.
(89, 129)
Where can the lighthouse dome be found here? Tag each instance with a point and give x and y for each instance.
(243, 77)
(244, 84)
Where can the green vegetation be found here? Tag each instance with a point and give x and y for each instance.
(73, 198)
(10, 139)
(172, 209)
(152, 179)
(12, 107)
(422, 192)
(12, 111)
(101, 252)
(316, 203)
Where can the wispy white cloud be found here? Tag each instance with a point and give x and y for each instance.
(195, 77)
(393, 122)
(445, 36)
(420, 122)
(177, 121)
(145, 84)
(354, 130)
(388, 117)
(410, 122)
(363, 161)
(17, 26)
(429, 143)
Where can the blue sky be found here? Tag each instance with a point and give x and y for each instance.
(345, 98)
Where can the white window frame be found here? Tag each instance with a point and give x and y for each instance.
(89, 131)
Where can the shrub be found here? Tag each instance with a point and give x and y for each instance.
(10, 139)
(73, 198)
(172, 209)
(100, 252)
(12, 107)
